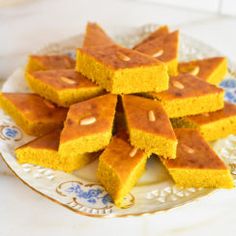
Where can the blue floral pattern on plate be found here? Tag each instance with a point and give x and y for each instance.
(229, 85)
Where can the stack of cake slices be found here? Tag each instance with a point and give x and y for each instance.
(123, 105)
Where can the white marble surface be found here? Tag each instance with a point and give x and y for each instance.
(26, 27)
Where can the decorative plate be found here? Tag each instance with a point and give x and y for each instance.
(80, 191)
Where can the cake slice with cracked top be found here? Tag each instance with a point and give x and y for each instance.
(35, 115)
(196, 164)
(88, 126)
(188, 95)
(149, 126)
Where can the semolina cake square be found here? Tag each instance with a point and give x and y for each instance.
(196, 164)
(35, 115)
(63, 87)
(95, 36)
(211, 70)
(188, 95)
(149, 126)
(88, 126)
(164, 47)
(43, 151)
(120, 166)
(122, 71)
(49, 62)
(211, 125)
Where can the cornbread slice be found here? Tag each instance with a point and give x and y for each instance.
(211, 70)
(43, 151)
(149, 127)
(121, 70)
(63, 87)
(196, 164)
(188, 95)
(164, 46)
(95, 36)
(35, 115)
(212, 125)
(88, 126)
(120, 166)
(49, 62)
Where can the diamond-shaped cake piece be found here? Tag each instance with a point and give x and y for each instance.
(211, 70)
(188, 95)
(164, 46)
(212, 125)
(63, 87)
(95, 36)
(43, 151)
(35, 115)
(149, 127)
(196, 164)
(49, 62)
(88, 126)
(120, 166)
(121, 70)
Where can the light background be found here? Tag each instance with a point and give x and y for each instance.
(30, 25)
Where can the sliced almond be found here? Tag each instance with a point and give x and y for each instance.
(133, 152)
(88, 121)
(188, 149)
(67, 80)
(158, 53)
(178, 85)
(151, 116)
(49, 104)
(123, 57)
(194, 71)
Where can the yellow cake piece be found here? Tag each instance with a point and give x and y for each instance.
(196, 164)
(211, 70)
(95, 36)
(120, 166)
(88, 126)
(212, 125)
(149, 127)
(43, 151)
(164, 46)
(63, 87)
(121, 70)
(35, 115)
(49, 62)
(188, 95)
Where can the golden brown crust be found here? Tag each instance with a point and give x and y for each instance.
(194, 152)
(102, 108)
(191, 87)
(168, 43)
(112, 56)
(58, 79)
(95, 36)
(48, 141)
(227, 111)
(136, 112)
(160, 32)
(50, 62)
(206, 66)
(35, 108)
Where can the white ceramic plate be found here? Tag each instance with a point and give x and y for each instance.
(80, 191)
